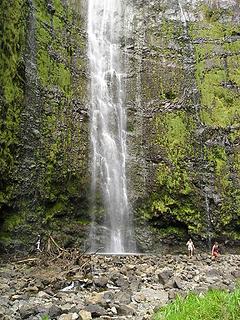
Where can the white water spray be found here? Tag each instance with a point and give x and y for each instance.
(108, 128)
(208, 221)
(182, 14)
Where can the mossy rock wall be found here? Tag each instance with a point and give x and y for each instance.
(44, 123)
(184, 116)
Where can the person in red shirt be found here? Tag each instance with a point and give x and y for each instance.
(215, 251)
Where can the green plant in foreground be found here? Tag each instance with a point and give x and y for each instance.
(45, 317)
(215, 305)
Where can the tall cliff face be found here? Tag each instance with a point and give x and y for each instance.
(44, 126)
(184, 116)
(183, 120)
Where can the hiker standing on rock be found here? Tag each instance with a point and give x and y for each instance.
(190, 247)
(38, 243)
(215, 251)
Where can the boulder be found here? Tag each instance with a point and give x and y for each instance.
(123, 297)
(96, 310)
(27, 310)
(236, 273)
(101, 281)
(213, 272)
(32, 289)
(85, 315)
(100, 298)
(54, 311)
(69, 316)
(42, 295)
(155, 296)
(125, 310)
(178, 283)
(114, 310)
(164, 276)
(67, 306)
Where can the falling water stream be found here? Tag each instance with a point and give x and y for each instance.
(108, 129)
(208, 221)
(182, 15)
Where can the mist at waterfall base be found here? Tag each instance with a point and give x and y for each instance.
(108, 131)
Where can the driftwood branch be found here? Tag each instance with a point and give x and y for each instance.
(61, 249)
(27, 260)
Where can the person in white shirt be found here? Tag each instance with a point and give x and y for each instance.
(38, 243)
(190, 247)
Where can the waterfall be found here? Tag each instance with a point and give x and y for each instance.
(108, 129)
(182, 15)
(208, 221)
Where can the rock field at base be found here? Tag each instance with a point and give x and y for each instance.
(112, 287)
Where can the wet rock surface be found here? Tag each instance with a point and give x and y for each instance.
(111, 287)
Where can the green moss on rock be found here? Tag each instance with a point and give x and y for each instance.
(175, 201)
(12, 34)
(52, 173)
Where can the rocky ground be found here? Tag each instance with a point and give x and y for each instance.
(107, 287)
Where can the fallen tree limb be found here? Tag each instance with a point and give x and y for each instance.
(61, 249)
(27, 260)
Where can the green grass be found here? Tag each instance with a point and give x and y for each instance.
(215, 305)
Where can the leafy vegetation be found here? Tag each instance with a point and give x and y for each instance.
(215, 305)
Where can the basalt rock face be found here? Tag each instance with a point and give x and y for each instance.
(182, 100)
(44, 128)
(183, 103)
